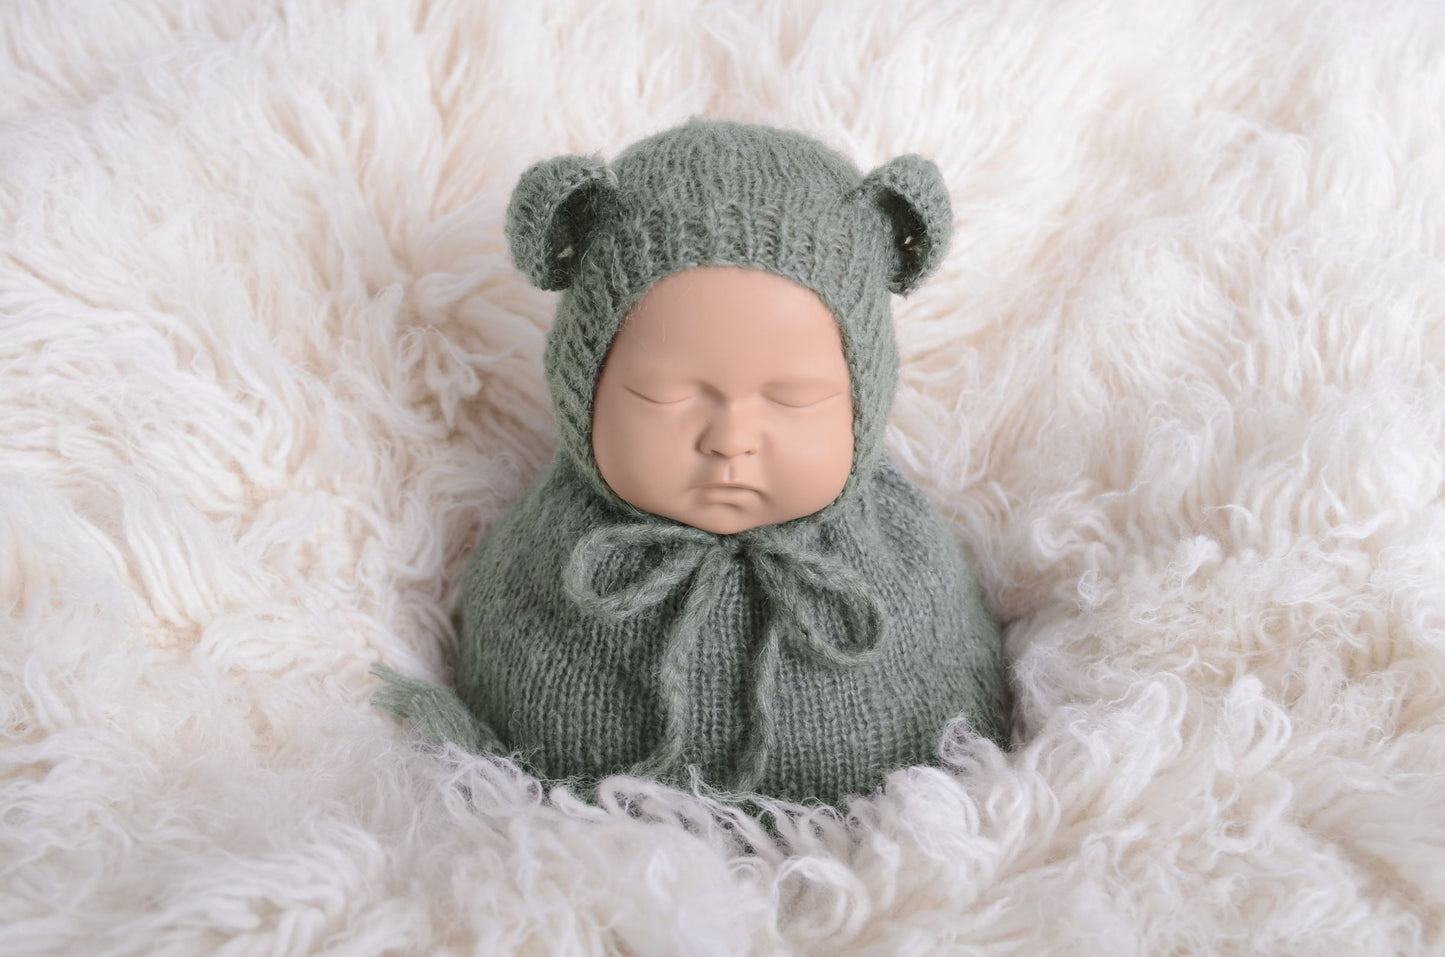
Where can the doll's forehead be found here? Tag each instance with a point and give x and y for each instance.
(732, 290)
(723, 310)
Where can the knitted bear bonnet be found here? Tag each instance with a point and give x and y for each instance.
(721, 193)
(805, 659)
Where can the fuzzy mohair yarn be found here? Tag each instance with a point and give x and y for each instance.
(804, 660)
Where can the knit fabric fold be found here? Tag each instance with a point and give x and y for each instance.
(696, 561)
(804, 660)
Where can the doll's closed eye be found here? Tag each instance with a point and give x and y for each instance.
(660, 396)
(802, 398)
(805, 391)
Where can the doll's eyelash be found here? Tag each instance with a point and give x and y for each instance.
(806, 404)
(656, 401)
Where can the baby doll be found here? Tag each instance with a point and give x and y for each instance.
(721, 570)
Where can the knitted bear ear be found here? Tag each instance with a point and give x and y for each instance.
(552, 215)
(911, 193)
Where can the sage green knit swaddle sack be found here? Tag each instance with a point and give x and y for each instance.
(804, 660)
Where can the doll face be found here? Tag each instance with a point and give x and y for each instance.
(724, 402)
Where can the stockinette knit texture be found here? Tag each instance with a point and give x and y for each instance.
(804, 660)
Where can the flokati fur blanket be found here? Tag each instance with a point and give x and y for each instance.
(266, 374)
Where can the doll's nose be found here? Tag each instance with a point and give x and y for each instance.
(728, 434)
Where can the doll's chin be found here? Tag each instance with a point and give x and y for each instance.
(725, 520)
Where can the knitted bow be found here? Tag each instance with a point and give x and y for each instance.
(698, 560)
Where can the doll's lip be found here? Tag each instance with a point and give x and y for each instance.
(736, 486)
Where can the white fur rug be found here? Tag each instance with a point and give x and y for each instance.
(266, 373)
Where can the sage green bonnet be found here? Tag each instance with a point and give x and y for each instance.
(712, 193)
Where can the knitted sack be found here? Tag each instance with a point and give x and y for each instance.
(804, 660)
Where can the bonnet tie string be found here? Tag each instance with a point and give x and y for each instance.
(796, 583)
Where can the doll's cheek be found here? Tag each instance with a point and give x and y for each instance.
(822, 436)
